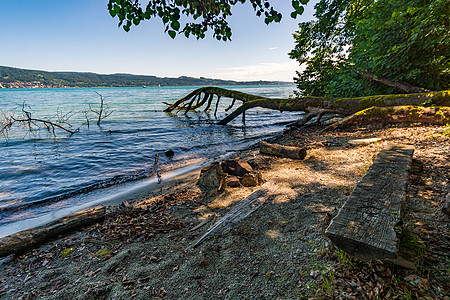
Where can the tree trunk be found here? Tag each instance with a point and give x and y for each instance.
(403, 86)
(396, 114)
(344, 106)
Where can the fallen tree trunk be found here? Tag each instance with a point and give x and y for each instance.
(398, 114)
(318, 105)
(280, 150)
(23, 240)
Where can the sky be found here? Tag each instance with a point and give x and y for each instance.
(81, 36)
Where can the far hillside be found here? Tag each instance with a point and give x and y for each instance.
(9, 75)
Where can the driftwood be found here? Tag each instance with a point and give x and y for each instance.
(23, 240)
(280, 150)
(241, 210)
(364, 226)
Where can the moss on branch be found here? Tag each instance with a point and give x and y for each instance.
(344, 106)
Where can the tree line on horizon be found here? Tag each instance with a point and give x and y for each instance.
(78, 79)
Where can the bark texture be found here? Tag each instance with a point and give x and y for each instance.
(397, 114)
(280, 150)
(403, 86)
(241, 210)
(365, 225)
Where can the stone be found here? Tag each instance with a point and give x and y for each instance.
(169, 153)
(228, 166)
(211, 176)
(242, 167)
(236, 167)
(250, 179)
(257, 163)
(233, 181)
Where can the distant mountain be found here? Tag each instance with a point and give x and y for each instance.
(14, 77)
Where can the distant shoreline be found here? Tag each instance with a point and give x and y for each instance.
(11, 78)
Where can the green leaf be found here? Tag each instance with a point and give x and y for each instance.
(294, 15)
(136, 21)
(304, 2)
(175, 25)
(300, 10)
(172, 33)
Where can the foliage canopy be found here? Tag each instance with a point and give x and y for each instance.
(198, 16)
(404, 41)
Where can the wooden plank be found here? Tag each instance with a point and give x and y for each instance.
(364, 226)
(34, 237)
(241, 210)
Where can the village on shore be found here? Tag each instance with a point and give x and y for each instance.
(29, 85)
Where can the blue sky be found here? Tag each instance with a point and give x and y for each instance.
(81, 36)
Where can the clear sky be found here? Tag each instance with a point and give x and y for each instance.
(67, 35)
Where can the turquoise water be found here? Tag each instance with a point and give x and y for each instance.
(41, 173)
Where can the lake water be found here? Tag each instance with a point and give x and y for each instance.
(41, 174)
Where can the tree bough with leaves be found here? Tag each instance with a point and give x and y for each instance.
(201, 15)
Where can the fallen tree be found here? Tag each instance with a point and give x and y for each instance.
(312, 106)
(436, 115)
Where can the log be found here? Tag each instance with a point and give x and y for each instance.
(280, 150)
(241, 210)
(364, 226)
(24, 240)
(437, 115)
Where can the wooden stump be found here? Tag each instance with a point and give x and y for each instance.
(364, 226)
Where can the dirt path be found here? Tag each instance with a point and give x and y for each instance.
(278, 252)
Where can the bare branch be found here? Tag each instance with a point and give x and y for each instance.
(7, 120)
(103, 112)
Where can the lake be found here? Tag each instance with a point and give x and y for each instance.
(42, 174)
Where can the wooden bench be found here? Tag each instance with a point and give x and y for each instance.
(364, 226)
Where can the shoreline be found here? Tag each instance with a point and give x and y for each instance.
(111, 196)
(115, 195)
(143, 251)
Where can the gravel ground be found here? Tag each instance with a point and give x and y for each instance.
(142, 250)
